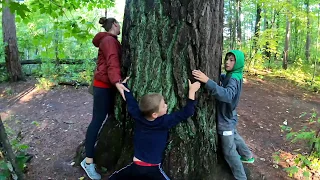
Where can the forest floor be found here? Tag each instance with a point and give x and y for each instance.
(53, 123)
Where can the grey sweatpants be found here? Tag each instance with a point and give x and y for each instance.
(232, 146)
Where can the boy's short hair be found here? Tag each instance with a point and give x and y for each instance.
(150, 103)
(230, 54)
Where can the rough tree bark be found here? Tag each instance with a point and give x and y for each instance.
(162, 42)
(11, 48)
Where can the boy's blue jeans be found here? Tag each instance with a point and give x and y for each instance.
(232, 146)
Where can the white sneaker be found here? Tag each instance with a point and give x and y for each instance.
(90, 169)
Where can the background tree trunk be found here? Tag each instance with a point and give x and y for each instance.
(9, 154)
(232, 24)
(11, 48)
(308, 40)
(294, 40)
(317, 49)
(238, 17)
(266, 27)
(165, 41)
(257, 27)
(256, 34)
(286, 46)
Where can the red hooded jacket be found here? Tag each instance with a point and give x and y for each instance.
(108, 71)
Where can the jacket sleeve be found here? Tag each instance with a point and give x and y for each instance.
(222, 77)
(110, 48)
(171, 120)
(223, 94)
(132, 104)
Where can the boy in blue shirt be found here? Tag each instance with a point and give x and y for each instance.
(227, 96)
(152, 124)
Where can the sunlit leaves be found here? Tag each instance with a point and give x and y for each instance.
(18, 8)
(62, 13)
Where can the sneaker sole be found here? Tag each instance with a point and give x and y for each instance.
(83, 167)
(247, 162)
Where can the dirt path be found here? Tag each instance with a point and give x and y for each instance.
(264, 106)
(53, 123)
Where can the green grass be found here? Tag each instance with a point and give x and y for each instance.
(298, 73)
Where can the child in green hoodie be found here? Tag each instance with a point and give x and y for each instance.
(227, 95)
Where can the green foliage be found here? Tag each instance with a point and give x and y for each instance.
(276, 157)
(266, 50)
(8, 91)
(306, 162)
(53, 30)
(310, 136)
(69, 16)
(301, 74)
(20, 151)
(4, 170)
(3, 75)
(285, 128)
(51, 74)
(292, 170)
(35, 123)
(17, 8)
(56, 29)
(54, 8)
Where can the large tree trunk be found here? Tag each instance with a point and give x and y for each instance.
(11, 48)
(162, 42)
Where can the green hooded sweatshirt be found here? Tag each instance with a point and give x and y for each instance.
(237, 71)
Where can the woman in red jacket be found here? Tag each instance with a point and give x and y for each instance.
(106, 77)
